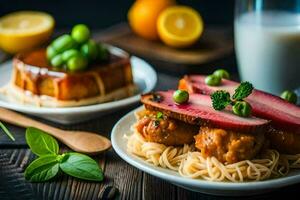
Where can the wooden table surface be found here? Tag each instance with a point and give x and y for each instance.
(131, 183)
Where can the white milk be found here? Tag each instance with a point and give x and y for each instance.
(268, 50)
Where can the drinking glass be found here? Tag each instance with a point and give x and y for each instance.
(267, 43)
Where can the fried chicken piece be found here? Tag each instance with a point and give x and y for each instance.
(162, 129)
(228, 146)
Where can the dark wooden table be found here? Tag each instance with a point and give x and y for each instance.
(131, 183)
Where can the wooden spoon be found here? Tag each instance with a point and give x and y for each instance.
(80, 141)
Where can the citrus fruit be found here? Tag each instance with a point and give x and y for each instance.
(179, 26)
(143, 14)
(23, 30)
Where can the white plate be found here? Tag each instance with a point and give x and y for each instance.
(119, 143)
(144, 77)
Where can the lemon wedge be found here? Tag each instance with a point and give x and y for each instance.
(180, 26)
(24, 30)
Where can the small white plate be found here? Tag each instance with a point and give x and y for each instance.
(119, 143)
(144, 77)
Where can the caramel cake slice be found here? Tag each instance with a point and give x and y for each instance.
(35, 81)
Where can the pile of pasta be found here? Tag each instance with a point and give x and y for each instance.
(189, 162)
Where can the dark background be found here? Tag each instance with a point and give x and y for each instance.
(99, 14)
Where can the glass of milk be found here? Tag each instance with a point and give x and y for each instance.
(267, 43)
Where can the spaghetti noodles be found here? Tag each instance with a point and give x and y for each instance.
(190, 163)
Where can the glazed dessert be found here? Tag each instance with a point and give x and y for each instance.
(71, 73)
(34, 81)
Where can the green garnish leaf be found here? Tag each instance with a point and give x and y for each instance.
(159, 115)
(49, 163)
(7, 132)
(81, 166)
(42, 169)
(243, 91)
(40, 142)
(220, 99)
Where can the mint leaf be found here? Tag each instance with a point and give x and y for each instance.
(242, 91)
(81, 166)
(40, 142)
(42, 169)
(220, 99)
(7, 132)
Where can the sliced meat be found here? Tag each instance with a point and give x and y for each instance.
(228, 146)
(199, 111)
(284, 141)
(283, 115)
(165, 130)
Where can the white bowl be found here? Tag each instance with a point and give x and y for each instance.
(119, 143)
(144, 77)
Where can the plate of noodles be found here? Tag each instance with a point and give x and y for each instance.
(185, 167)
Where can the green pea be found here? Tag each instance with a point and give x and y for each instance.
(242, 108)
(289, 96)
(57, 61)
(103, 53)
(63, 43)
(222, 73)
(77, 63)
(180, 96)
(69, 54)
(80, 33)
(213, 80)
(50, 52)
(90, 50)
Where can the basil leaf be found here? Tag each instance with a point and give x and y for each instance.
(40, 142)
(42, 169)
(81, 166)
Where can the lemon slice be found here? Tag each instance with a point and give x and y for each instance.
(179, 26)
(24, 30)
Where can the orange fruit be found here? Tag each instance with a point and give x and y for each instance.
(143, 14)
(24, 30)
(180, 26)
